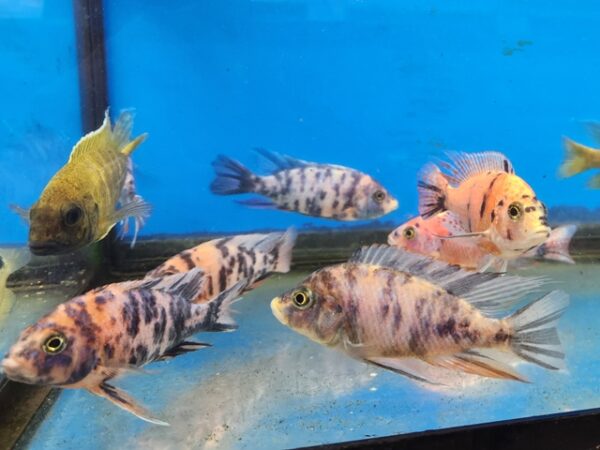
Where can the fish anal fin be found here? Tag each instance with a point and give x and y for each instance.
(258, 203)
(124, 401)
(477, 363)
(412, 368)
(181, 349)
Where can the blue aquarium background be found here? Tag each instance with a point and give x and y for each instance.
(381, 86)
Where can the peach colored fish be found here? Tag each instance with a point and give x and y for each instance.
(490, 200)
(319, 190)
(115, 329)
(426, 237)
(246, 258)
(407, 313)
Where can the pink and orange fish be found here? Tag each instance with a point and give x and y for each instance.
(427, 237)
(491, 202)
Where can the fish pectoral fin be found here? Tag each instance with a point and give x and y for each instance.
(137, 208)
(181, 349)
(258, 203)
(413, 368)
(23, 213)
(124, 401)
(492, 262)
(477, 363)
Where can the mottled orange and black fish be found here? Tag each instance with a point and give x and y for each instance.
(112, 330)
(80, 204)
(246, 258)
(319, 190)
(490, 200)
(411, 314)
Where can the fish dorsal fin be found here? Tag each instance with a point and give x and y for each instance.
(188, 285)
(279, 161)
(491, 293)
(462, 165)
(94, 140)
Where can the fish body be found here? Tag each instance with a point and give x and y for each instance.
(78, 206)
(319, 190)
(246, 258)
(427, 237)
(490, 200)
(113, 330)
(405, 312)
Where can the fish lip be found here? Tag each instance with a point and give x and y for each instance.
(276, 311)
(47, 248)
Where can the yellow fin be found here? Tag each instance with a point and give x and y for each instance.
(132, 145)
(124, 401)
(578, 158)
(94, 140)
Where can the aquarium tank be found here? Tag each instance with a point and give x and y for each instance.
(277, 224)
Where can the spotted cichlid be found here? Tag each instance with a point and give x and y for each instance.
(80, 204)
(409, 314)
(115, 329)
(245, 258)
(492, 202)
(319, 190)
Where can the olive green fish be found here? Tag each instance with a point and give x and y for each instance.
(414, 315)
(85, 199)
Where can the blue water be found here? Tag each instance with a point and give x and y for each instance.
(379, 85)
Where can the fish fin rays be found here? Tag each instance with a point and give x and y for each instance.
(92, 141)
(463, 166)
(181, 349)
(217, 310)
(577, 158)
(412, 368)
(23, 213)
(490, 292)
(125, 401)
(188, 285)
(535, 335)
(232, 177)
(137, 209)
(258, 203)
(278, 161)
(556, 247)
(476, 363)
(432, 189)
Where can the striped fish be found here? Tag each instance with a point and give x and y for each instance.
(427, 237)
(411, 314)
(319, 190)
(490, 200)
(246, 258)
(115, 329)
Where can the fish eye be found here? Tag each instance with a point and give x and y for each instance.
(515, 211)
(302, 298)
(409, 233)
(55, 344)
(379, 196)
(73, 215)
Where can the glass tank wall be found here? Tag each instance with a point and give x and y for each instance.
(380, 86)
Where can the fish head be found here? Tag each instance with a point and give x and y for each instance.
(311, 309)
(59, 225)
(521, 221)
(53, 351)
(373, 200)
(417, 236)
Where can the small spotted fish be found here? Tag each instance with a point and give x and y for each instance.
(411, 314)
(579, 158)
(114, 330)
(246, 258)
(319, 190)
(427, 237)
(90, 194)
(490, 200)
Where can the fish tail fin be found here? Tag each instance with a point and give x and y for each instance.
(217, 311)
(121, 133)
(556, 248)
(433, 189)
(578, 158)
(232, 177)
(535, 338)
(286, 245)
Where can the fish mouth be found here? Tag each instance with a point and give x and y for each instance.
(394, 205)
(276, 310)
(42, 248)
